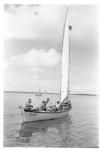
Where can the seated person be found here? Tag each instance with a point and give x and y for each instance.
(69, 104)
(58, 105)
(43, 106)
(28, 105)
(44, 103)
(66, 104)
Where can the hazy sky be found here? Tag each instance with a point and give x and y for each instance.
(33, 42)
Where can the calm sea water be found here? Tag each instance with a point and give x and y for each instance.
(78, 129)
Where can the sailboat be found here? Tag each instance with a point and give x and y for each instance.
(65, 104)
(38, 93)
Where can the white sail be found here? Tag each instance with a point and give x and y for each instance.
(65, 62)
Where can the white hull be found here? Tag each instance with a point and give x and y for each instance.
(37, 116)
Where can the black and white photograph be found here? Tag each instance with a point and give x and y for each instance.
(51, 91)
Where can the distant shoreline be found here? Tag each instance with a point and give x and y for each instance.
(22, 92)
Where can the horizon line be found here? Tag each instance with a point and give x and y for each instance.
(34, 92)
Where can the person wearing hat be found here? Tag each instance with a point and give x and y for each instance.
(29, 105)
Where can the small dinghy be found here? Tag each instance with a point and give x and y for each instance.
(65, 104)
(38, 93)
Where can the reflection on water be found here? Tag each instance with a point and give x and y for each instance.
(55, 126)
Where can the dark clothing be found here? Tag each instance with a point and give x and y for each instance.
(43, 107)
(28, 106)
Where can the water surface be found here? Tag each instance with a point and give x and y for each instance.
(78, 129)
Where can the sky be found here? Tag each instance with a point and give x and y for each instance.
(33, 44)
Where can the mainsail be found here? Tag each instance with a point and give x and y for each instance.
(65, 62)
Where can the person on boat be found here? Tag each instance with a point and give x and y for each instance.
(44, 103)
(57, 106)
(29, 106)
(43, 106)
(69, 104)
(66, 104)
